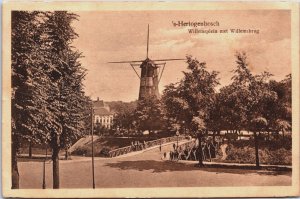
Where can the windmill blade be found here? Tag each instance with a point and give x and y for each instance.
(148, 41)
(167, 59)
(120, 62)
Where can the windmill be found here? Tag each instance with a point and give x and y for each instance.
(150, 73)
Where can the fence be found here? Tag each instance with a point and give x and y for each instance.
(128, 149)
(190, 151)
(189, 144)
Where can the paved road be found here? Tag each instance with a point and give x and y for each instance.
(145, 170)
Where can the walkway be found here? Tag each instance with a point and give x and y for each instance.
(145, 170)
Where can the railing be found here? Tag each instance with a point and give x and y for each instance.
(141, 146)
(189, 144)
(188, 151)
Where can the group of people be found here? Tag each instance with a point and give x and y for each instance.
(192, 152)
(137, 145)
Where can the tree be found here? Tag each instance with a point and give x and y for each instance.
(232, 107)
(279, 111)
(257, 125)
(175, 108)
(66, 97)
(124, 114)
(29, 84)
(194, 97)
(148, 114)
(199, 126)
(258, 98)
(282, 125)
(48, 102)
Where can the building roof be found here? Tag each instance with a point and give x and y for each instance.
(102, 111)
(100, 108)
(98, 103)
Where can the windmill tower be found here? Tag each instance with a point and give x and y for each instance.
(150, 73)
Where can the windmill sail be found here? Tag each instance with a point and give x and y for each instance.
(120, 62)
(148, 41)
(149, 78)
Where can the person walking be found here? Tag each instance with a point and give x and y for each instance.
(160, 147)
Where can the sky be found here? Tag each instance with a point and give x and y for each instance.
(106, 36)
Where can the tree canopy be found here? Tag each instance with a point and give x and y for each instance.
(48, 101)
(193, 96)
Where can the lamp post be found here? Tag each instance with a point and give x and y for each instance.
(183, 122)
(177, 134)
(44, 170)
(92, 129)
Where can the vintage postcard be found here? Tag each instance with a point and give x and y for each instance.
(150, 99)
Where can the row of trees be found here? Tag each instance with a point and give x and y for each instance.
(251, 102)
(48, 101)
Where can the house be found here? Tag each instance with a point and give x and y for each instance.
(103, 116)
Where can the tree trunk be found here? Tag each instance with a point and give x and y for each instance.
(55, 160)
(235, 136)
(66, 154)
(30, 150)
(200, 150)
(256, 150)
(14, 167)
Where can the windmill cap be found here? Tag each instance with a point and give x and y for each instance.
(148, 62)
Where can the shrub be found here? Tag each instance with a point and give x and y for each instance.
(240, 155)
(80, 151)
(246, 154)
(272, 143)
(278, 156)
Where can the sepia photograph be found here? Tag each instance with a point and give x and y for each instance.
(158, 99)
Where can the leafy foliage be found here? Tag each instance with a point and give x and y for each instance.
(48, 102)
(124, 114)
(190, 100)
(149, 114)
(251, 102)
(28, 79)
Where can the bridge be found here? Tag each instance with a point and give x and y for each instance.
(143, 146)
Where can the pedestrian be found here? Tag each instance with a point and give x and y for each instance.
(175, 155)
(135, 145)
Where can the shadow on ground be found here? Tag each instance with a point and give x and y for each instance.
(166, 166)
